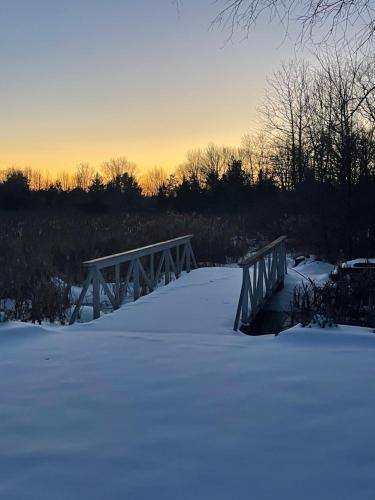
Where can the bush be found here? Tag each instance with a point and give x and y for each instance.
(348, 301)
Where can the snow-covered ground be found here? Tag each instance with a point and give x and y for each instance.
(309, 269)
(161, 400)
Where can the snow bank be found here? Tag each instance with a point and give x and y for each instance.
(358, 263)
(119, 409)
(310, 269)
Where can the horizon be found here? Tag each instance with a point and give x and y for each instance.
(67, 96)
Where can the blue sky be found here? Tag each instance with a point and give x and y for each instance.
(86, 80)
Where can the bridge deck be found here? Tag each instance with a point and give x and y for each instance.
(202, 301)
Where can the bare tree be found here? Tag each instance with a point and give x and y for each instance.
(116, 167)
(211, 161)
(255, 154)
(320, 121)
(193, 167)
(83, 176)
(65, 180)
(285, 111)
(152, 180)
(215, 159)
(319, 20)
(348, 81)
(46, 180)
(36, 180)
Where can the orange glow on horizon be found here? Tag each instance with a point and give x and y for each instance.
(58, 158)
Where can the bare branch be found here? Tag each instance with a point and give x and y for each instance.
(343, 21)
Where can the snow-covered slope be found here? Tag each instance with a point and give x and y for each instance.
(119, 409)
(310, 269)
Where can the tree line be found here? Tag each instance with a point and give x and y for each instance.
(312, 164)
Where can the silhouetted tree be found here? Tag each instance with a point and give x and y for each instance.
(15, 190)
(125, 191)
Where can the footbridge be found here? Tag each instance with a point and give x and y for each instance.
(195, 299)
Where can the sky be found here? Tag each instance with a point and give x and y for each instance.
(88, 80)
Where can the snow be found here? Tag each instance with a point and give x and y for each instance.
(358, 263)
(203, 301)
(309, 270)
(162, 400)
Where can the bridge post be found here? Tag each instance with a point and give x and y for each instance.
(245, 296)
(136, 288)
(117, 285)
(152, 271)
(188, 259)
(178, 269)
(96, 293)
(167, 264)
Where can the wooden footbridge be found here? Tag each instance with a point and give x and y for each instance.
(127, 276)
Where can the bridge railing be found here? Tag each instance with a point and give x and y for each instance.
(262, 274)
(135, 272)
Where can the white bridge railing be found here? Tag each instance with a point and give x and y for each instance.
(135, 273)
(262, 274)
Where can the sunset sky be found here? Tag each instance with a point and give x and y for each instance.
(87, 80)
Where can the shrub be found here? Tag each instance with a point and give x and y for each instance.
(347, 301)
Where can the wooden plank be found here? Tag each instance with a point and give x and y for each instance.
(239, 309)
(188, 258)
(167, 268)
(136, 287)
(183, 259)
(96, 293)
(152, 272)
(245, 298)
(107, 291)
(252, 297)
(249, 261)
(173, 266)
(117, 286)
(111, 260)
(192, 255)
(159, 268)
(144, 274)
(127, 278)
(82, 295)
(178, 269)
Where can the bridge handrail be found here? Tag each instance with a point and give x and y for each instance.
(143, 279)
(268, 270)
(253, 258)
(119, 258)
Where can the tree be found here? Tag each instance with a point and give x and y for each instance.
(189, 194)
(213, 161)
(152, 180)
(83, 176)
(320, 20)
(118, 166)
(15, 190)
(234, 187)
(97, 184)
(125, 191)
(66, 180)
(192, 168)
(254, 154)
(286, 114)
